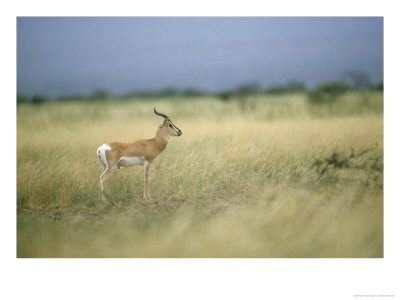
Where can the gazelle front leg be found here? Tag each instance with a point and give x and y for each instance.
(146, 188)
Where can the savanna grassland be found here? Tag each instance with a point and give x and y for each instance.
(278, 177)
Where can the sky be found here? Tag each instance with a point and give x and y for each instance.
(58, 56)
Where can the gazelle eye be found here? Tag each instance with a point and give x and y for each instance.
(170, 125)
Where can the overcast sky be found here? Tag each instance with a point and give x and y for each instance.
(58, 56)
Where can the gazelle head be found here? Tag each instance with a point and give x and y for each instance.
(167, 126)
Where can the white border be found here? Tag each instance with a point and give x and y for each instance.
(200, 278)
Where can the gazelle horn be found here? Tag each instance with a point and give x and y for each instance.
(160, 114)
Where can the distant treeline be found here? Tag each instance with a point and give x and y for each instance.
(324, 92)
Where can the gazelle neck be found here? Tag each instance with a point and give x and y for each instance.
(162, 137)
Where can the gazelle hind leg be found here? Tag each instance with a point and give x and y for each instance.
(102, 157)
(103, 178)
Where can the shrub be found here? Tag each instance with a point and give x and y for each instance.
(168, 92)
(71, 97)
(244, 91)
(358, 80)
(22, 99)
(99, 94)
(38, 99)
(328, 92)
(191, 92)
(225, 95)
(248, 89)
(290, 87)
(377, 87)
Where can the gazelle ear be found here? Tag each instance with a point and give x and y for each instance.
(165, 122)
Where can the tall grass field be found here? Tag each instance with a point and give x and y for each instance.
(277, 178)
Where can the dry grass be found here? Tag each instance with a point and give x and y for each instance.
(234, 185)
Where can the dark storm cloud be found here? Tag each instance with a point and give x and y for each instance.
(75, 55)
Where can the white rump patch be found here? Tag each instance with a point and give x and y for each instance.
(101, 153)
(126, 161)
(103, 147)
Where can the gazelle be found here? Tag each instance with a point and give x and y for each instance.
(140, 152)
